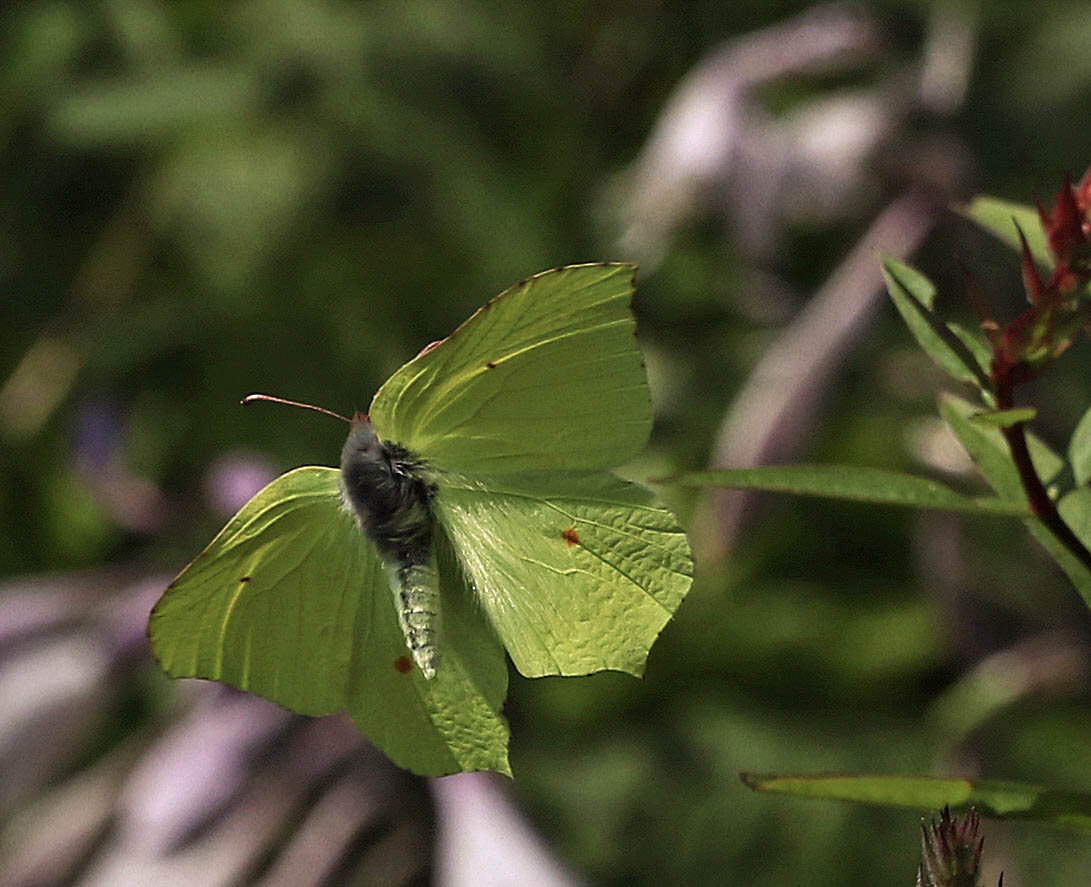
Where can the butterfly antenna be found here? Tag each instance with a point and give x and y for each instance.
(254, 398)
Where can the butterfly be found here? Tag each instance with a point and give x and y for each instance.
(474, 513)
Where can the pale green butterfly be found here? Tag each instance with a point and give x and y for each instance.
(474, 513)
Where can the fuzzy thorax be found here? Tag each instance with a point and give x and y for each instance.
(386, 489)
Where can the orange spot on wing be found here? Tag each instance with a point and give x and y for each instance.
(403, 665)
(571, 536)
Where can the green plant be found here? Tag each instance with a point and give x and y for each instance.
(1047, 491)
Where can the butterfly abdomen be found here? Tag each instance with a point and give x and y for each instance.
(392, 500)
(416, 589)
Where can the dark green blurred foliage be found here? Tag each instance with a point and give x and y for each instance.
(203, 200)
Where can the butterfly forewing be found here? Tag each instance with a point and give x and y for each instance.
(246, 612)
(292, 602)
(546, 376)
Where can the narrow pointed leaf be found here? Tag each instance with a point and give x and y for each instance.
(913, 282)
(973, 341)
(853, 483)
(913, 295)
(989, 451)
(993, 798)
(1004, 418)
(1079, 450)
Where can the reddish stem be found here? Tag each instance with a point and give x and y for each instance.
(1041, 505)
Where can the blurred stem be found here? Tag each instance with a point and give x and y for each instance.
(1041, 505)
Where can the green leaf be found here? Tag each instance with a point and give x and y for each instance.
(546, 376)
(1001, 218)
(1075, 509)
(1079, 450)
(1004, 418)
(993, 798)
(133, 111)
(990, 453)
(290, 601)
(911, 281)
(974, 343)
(913, 296)
(583, 570)
(849, 482)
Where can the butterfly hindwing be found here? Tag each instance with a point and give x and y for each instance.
(576, 572)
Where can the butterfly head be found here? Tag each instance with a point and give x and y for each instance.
(363, 443)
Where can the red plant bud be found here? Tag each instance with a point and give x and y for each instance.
(1083, 201)
(1036, 290)
(950, 851)
(1066, 225)
(1065, 280)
